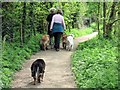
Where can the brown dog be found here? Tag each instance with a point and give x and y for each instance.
(64, 41)
(44, 42)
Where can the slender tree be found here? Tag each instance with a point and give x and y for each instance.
(32, 30)
(98, 18)
(23, 24)
(104, 18)
(111, 20)
(7, 21)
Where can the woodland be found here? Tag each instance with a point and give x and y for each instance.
(23, 24)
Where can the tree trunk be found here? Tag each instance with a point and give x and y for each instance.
(104, 20)
(98, 18)
(21, 36)
(110, 23)
(72, 24)
(7, 21)
(31, 19)
(23, 24)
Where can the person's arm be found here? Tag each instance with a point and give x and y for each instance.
(51, 26)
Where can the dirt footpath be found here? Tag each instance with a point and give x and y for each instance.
(58, 72)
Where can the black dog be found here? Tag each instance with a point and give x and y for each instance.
(37, 70)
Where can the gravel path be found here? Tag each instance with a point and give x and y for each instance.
(58, 72)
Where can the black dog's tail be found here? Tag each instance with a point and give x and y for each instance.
(40, 70)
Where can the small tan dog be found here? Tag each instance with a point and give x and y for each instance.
(44, 42)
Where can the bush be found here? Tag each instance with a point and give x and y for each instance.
(34, 43)
(94, 26)
(1, 83)
(13, 57)
(6, 77)
(95, 65)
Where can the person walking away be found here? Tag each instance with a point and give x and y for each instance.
(57, 27)
(49, 19)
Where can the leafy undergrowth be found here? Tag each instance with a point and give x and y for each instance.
(95, 64)
(13, 57)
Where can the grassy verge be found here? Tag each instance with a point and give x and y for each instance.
(95, 64)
